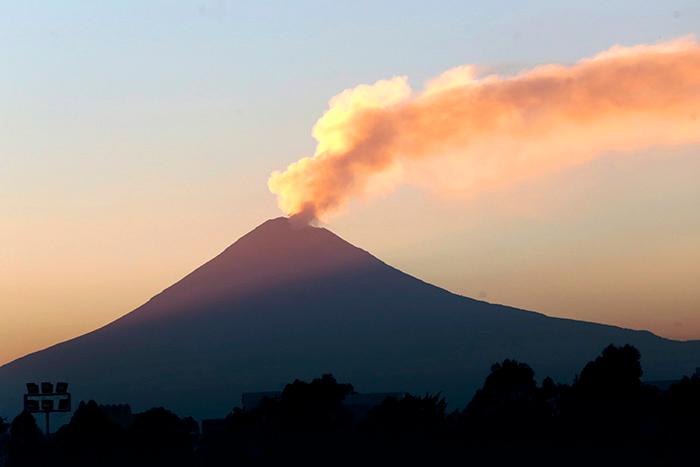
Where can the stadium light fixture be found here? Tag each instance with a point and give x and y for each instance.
(32, 406)
(63, 405)
(52, 398)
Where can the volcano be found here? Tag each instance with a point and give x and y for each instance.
(285, 302)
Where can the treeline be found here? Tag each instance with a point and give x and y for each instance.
(607, 416)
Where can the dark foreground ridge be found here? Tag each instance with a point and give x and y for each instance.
(284, 302)
(607, 417)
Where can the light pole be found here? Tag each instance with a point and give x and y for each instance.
(50, 399)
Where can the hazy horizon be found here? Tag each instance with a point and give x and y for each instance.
(138, 140)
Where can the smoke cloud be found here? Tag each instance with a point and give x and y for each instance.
(465, 133)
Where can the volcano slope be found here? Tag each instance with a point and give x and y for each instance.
(284, 303)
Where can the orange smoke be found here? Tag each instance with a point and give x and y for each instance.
(464, 133)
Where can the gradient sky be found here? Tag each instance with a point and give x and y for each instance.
(137, 139)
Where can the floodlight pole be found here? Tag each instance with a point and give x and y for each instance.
(36, 402)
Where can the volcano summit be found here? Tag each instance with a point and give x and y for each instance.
(284, 302)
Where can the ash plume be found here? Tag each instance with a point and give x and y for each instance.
(465, 133)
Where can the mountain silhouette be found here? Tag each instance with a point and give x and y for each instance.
(285, 302)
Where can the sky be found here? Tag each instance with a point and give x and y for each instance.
(137, 138)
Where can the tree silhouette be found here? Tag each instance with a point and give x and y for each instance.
(308, 421)
(27, 444)
(413, 415)
(607, 416)
(608, 402)
(159, 437)
(90, 438)
(305, 425)
(613, 376)
(314, 406)
(682, 408)
(509, 406)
